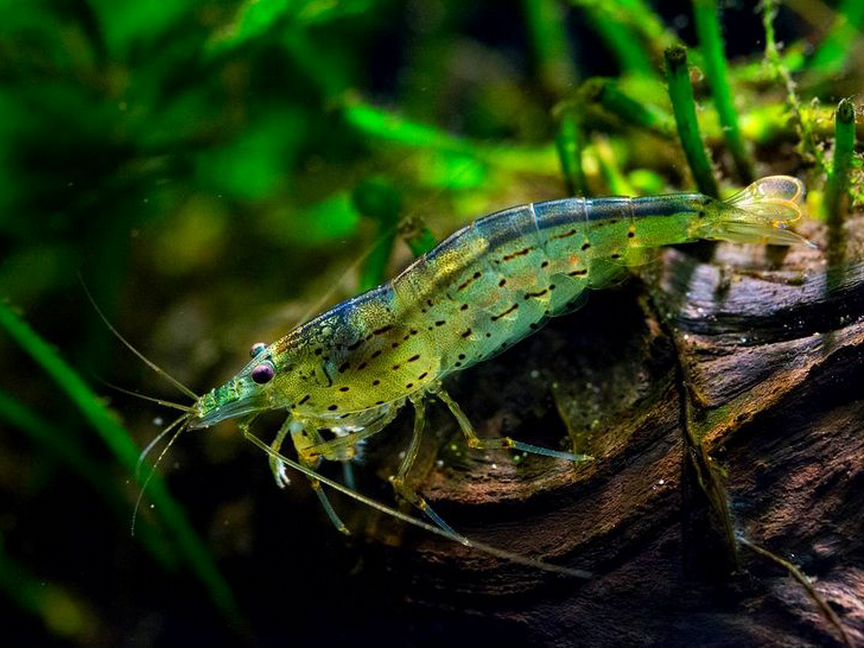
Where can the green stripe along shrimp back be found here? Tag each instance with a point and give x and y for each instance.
(481, 290)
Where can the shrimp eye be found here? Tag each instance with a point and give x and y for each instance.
(257, 349)
(263, 373)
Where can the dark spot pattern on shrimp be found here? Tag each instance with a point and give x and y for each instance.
(460, 304)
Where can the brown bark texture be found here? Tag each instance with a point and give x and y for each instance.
(720, 401)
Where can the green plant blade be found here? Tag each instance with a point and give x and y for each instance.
(707, 14)
(118, 440)
(69, 452)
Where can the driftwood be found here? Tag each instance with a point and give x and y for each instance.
(722, 402)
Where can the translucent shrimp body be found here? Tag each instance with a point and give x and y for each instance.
(483, 289)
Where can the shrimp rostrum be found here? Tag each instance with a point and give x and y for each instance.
(483, 289)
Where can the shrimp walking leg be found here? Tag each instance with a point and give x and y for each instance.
(304, 439)
(277, 466)
(476, 443)
(401, 482)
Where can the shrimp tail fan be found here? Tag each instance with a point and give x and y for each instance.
(761, 213)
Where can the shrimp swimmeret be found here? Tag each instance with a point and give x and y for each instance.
(483, 289)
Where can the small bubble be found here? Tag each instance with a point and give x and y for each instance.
(158, 421)
(661, 481)
(439, 463)
(494, 466)
(535, 373)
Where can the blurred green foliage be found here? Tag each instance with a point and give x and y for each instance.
(219, 170)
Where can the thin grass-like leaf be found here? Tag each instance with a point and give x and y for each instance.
(384, 126)
(707, 14)
(631, 112)
(377, 199)
(570, 143)
(119, 441)
(551, 46)
(69, 452)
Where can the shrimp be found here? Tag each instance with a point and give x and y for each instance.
(487, 286)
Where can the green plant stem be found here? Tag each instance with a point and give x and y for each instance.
(617, 182)
(547, 27)
(417, 235)
(632, 57)
(837, 191)
(684, 107)
(607, 94)
(707, 16)
(378, 200)
(570, 142)
(638, 16)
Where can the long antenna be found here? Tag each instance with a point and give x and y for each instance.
(183, 388)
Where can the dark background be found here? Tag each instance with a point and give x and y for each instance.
(194, 163)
